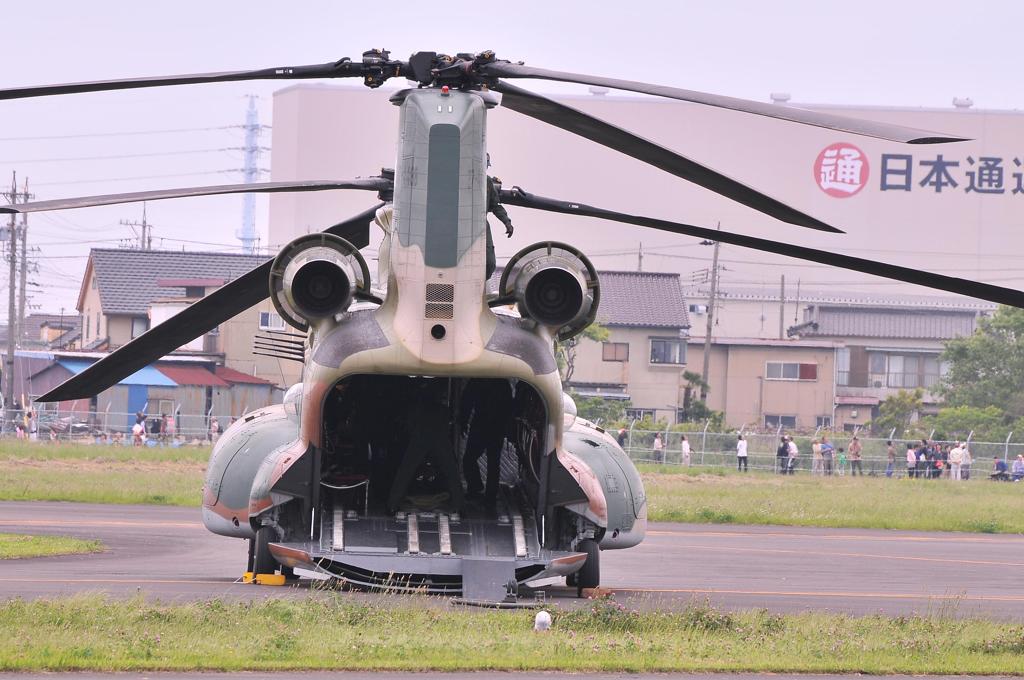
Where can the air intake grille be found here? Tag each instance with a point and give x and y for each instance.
(439, 311)
(440, 292)
(440, 297)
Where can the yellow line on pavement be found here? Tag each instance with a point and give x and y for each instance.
(803, 593)
(967, 538)
(98, 523)
(786, 551)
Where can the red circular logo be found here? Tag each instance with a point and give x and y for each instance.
(841, 170)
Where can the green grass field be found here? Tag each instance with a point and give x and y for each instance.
(330, 632)
(99, 474)
(18, 546)
(867, 502)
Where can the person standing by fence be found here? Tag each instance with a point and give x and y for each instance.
(741, 454)
(911, 461)
(956, 461)
(684, 451)
(890, 452)
(965, 467)
(854, 450)
(816, 459)
(792, 453)
(781, 455)
(827, 453)
(659, 449)
(922, 459)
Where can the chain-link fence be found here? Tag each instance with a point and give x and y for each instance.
(173, 428)
(718, 449)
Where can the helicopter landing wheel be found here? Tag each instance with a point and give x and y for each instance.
(263, 560)
(589, 575)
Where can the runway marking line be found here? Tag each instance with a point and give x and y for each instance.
(851, 554)
(798, 593)
(99, 523)
(835, 537)
(117, 580)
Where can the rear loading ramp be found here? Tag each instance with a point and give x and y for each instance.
(477, 556)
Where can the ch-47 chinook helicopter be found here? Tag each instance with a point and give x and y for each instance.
(324, 483)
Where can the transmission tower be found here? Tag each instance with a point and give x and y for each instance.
(252, 149)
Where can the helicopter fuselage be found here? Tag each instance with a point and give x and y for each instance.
(317, 472)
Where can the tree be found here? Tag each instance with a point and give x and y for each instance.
(957, 422)
(597, 410)
(696, 410)
(987, 368)
(898, 411)
(565, 351)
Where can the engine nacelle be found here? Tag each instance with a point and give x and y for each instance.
(316, 277)
(555, 285)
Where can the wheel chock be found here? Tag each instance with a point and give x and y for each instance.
(270, 579)
(247, 577)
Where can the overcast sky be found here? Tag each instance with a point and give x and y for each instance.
(865, 52)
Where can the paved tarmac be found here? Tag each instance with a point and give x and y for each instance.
(166, 553)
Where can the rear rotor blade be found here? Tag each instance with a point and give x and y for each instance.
(587, 126)
(895, 133)
(367, 184)
(974, 289)
(339, 69)
(192, 322)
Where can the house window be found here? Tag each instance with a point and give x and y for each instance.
(640, 413)
(823, 421)
(843, 366)
(778, 370)
(615, 351)
(904, 371)
(667, 351)
(140, 325)
(271, 321)
(876, 363)
(99, 333)
(87, 336)
(772, 422)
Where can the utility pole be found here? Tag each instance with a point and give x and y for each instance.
(23, 274)
(640, 258)
(711, 313)
(782, 308)
(145, 230)
(12, 309)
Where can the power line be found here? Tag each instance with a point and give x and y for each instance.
(85, 135)
(151, 154)
(136, 177)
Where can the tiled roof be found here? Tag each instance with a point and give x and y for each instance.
(645, 299)
(841, 297)
(184, 374)
(867, 322)
(230, 375)
(128, 279)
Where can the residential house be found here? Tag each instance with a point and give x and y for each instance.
(764, 384)
(644, 358)
(124, 292)
(888, 348)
